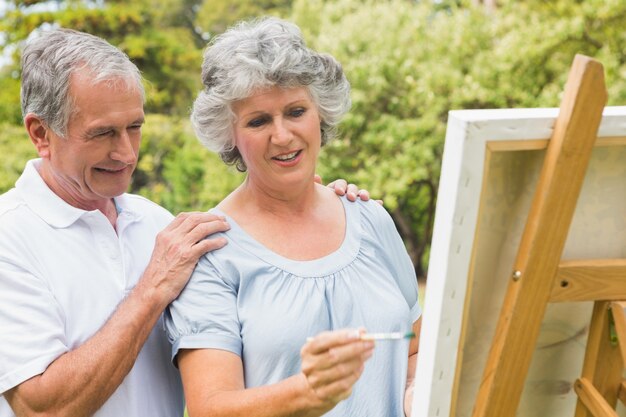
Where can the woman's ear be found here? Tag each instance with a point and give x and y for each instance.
(38, 133)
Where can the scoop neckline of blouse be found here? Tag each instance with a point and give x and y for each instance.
(327, 265)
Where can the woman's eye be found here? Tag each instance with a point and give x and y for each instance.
(297, 112)
(259, 121)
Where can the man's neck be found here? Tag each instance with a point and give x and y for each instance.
(105, 205)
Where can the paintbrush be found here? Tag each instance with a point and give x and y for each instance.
(382, 336)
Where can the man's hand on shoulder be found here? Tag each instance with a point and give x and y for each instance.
(352, 191)
(179, 247)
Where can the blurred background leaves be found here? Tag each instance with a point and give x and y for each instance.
(409, 63)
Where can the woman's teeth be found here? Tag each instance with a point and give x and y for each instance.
(286, 157)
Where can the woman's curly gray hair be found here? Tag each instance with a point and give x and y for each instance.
(256, 55)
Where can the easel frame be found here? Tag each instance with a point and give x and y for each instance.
(543, 240)
(472, 138)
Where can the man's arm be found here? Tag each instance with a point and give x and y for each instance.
(79, 382)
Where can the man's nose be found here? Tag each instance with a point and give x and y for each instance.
(123, 149)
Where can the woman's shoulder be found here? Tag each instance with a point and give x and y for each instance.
(239, 256)
(371, 220)
(367, 212)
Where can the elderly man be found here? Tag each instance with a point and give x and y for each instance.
(85, 269)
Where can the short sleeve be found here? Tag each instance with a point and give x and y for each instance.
(204, 316)
(391, 244)
(31, 325)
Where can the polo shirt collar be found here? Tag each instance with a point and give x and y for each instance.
(52, 208)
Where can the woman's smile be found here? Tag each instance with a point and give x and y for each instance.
(288, 159)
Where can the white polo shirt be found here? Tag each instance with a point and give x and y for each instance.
(63, 271)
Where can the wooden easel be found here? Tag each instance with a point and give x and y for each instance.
(601, 382)
(539, 276)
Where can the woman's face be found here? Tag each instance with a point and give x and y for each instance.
(277, 132)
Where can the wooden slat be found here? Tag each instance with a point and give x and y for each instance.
(619, 319)
(543, 240)
(592, 400)
(622, 392)
(590, 280)
(602, 366)
(611, 141)
(539, 144)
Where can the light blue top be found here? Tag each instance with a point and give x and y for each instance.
(251, 301)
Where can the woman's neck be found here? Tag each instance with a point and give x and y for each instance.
(285, 203)
(303, 226)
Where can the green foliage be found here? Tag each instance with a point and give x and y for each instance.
(175, 171)
(215, 16)
(10, 100)
(538, 41)
(152, 33)
(16, 149)
(406, 70)
(409, 63)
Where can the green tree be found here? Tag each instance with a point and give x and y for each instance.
(409, 63)
(154, 34)
(9, 98)
(176, 171)
(16, 149)
(406, 64)
(164, 39)
(214, 16)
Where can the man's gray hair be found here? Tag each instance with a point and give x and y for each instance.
(50, 59)
(256, 55)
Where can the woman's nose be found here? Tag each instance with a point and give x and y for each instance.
(281, 135)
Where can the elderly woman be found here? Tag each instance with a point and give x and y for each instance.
(276, 322)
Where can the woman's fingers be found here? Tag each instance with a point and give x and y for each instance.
(338, 390)
(337, 355)
(329, 339)
(339, 371)
(333, 361)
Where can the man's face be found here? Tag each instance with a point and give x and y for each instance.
(97, 158)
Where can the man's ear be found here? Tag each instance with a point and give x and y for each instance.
(39, 134)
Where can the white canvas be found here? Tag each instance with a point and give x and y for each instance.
(491, 163)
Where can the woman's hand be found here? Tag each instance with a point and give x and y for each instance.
(331, 363)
